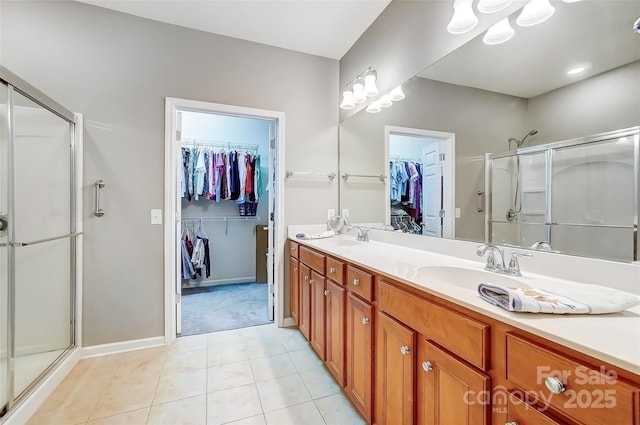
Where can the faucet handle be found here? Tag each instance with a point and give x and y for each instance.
(514, 265)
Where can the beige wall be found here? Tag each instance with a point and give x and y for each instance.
(117, 70)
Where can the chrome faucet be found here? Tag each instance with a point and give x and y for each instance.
(495, 260)
(363, 235)
(495, 263)
(541, 246)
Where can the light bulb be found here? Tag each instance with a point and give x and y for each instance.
(499, 33)
(385, 101)
(535, 12)
(463, 19)
(373, 108)
(370, 88)
(347, 100)
(396, 94)
(491, 6)
(358, 92)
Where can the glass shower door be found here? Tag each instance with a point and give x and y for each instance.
(4, 249)
(42, 243)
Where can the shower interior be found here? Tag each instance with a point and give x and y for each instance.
(579, 196)
(39, 233)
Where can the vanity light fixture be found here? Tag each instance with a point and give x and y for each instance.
(359, 89)
(535, 12)
(396, 94)
(374, 107)
(491, 6)
(499, 33)
(385, 101)
(463, 19)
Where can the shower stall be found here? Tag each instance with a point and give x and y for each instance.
(39, 237)
(578, 196)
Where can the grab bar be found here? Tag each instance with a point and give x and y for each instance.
(38, 241)
(98, 212)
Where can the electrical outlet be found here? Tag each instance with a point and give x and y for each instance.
(345, 214)
(156, 216)
(457, 212)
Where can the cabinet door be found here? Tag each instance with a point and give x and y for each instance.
(449, 391)
(318, 285)
(335, 331)
(395, 371)
(360, 354)
(294, 281)
(305, 301)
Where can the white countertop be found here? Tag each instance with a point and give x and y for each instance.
(613, 338)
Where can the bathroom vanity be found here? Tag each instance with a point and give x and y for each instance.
(404, 332)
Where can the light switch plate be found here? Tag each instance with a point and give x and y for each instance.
(156, 216)
(330, 213)
(457, 212)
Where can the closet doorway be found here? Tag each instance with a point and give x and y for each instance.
(421, 190)
(224, 203)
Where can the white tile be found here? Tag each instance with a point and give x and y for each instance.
(270, 367)
(122, 397)
(229, 376)
(306, 359)
(282, 392)
(188, 411)
(301, 414)
(189, 343)
(233, 404)
(320, 382)
(293, 340)
(180, 385)
(187, 361)
(254, 420)
(229, 352)
(264, 347)
(137, 417)
(338, 410)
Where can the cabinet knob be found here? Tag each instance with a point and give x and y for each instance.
(365, 320)
(405, 350)
(332, 270)
(554, 385)
(511, 423)
(295, 269)
(310, 281)
(356, 281)
(306, 277)
(293, 250)
(427, 367)
(326, 292)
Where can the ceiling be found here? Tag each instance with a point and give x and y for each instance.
(595, 35)
(325, 28)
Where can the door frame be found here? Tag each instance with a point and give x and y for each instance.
(448, 147)
(172, 211)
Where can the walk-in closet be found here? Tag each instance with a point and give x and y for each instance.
(223, 180)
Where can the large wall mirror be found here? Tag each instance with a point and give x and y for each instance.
(532, 140)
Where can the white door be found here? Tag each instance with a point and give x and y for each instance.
(431, 191)
(271, 193)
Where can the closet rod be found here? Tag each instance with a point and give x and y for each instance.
(234, 218)
(403, 158)
(220, 144)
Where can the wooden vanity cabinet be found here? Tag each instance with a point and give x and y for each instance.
(395, 372)
(318, 285)
(305, 301)
(294, 282)
(360, 334)
(335, 330)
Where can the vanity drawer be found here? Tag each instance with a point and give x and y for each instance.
(293, 249)
(335, 270)
(360, 282)
(312, 259)
(454, 331)
(520, 413)
(592, 395)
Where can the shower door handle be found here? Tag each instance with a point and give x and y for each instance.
(482, 200)
(98, 212)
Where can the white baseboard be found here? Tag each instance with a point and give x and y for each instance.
(122, 347)
(288, 322)
(21, 413)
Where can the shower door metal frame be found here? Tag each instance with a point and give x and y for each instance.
(16, 84)
(550, 149)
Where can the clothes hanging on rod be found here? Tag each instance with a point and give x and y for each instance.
(221, 174)
(196, 259)
(406, 186)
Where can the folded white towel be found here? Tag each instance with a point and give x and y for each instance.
(577, 299)
(322, 235)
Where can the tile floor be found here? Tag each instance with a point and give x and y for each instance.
(260, 375)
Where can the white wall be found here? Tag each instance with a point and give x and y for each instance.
(117, 70)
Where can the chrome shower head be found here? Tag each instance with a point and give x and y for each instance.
(531, 133)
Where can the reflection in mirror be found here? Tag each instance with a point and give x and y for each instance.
(490, 98)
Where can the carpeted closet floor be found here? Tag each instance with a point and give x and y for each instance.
(217, 308)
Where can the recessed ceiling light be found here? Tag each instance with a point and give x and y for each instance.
(575, 70)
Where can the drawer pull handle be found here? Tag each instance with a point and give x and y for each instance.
(427, 367)
(365, 320)
(405, 350)
(332, 270)
(326, 292)
(356, 282)
(554, 385)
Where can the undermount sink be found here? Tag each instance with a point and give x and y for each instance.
(465, 278)
(347, 242)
